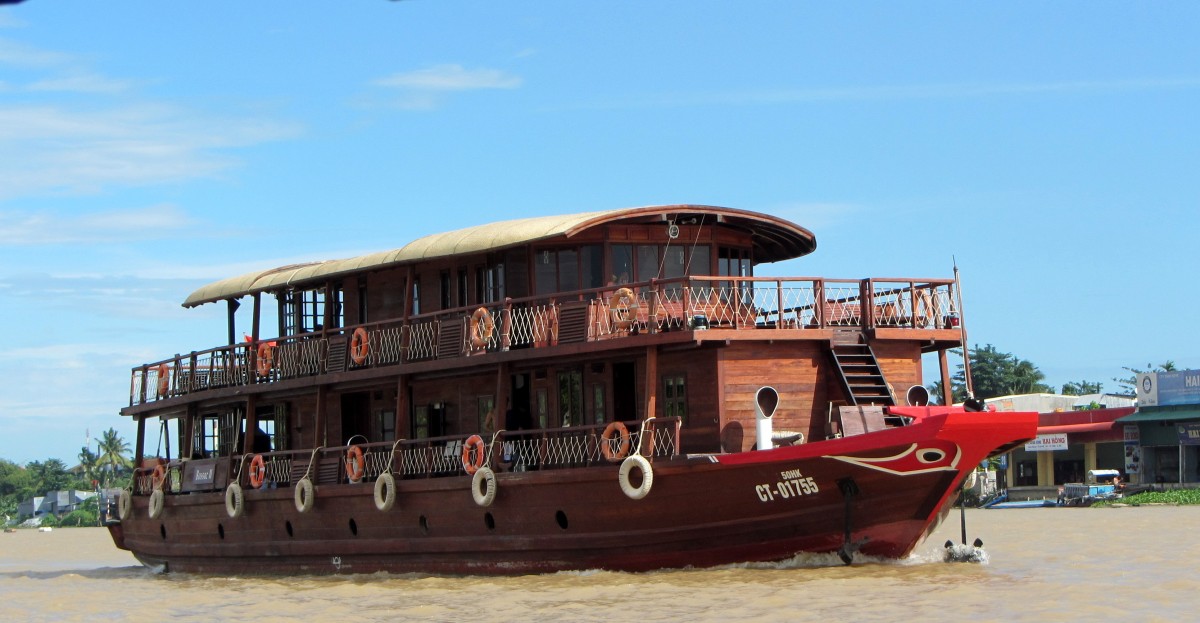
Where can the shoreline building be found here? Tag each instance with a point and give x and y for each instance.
(1164, 433)
(1076, 434)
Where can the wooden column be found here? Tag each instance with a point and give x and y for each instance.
(139, 450)
(251, 424)
(947, 390)
(651, 381)
(319, 432)
(403, 408)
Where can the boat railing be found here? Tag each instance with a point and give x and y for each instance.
(686, 303)
(505, 451)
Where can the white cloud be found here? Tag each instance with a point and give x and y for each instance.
(80, 83)
(57, 150)
(48, 228)
(450, 78)
(424, 89)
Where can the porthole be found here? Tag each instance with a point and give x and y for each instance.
(561, 518)
(489, 521)
(221, 531)
(424, 525)
(288, 525)
(353, 527)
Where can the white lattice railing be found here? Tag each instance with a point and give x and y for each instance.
(658, 306)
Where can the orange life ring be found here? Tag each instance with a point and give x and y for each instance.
(258, 471)
(623, 314)
(482, 327)
(614, 430)
(164, 380)
(473, 443)
(359, 346)
(159, 476)
(266, 358)
(356, 464)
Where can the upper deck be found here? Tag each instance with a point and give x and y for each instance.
(693, 309)
(544, 287)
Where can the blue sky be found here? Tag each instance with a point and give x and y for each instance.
(1052, 149)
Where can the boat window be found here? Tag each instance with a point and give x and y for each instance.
(444, 289)
(214, 434)
(416, 294)
(675, 396)
(386, 424)
(483, 406)
(494, 283)
(545, 272)
(542, 408)
(599, 416)
(622, 264)
(591, 264)
(462, 288)
(647, 262)
(570, 397)
(699, 262)
(421, 422)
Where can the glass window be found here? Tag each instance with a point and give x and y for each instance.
(545, 272)
(591, 259)
(622, 264)
(675, 396)
(568, 270)
(699, 261)
(570, 397)
(416, 291)
(598, 414)
(647, 262)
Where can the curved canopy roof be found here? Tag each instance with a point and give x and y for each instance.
(774, 239)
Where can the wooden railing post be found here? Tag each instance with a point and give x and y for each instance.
(652, 314)
(506, 325)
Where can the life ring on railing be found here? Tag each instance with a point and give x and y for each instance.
(235, 500)
(158, 477)
(124, 504)
(482, 327)
(258, 471)
(483, 486)
(614, 430)
(385, 491)
(157, 499)
(266, 358)
(473, 444)
(356, 464)
(304, 496)
(360, 346)
(622, 309)
(164, 380)
(631, 462)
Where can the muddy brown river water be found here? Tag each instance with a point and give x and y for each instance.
(1118, 564)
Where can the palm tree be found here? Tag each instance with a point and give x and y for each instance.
(113, 451)
(89, 462)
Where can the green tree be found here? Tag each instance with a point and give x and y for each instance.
(89, 464)
(15, 485)
(113, 456)
(50, 476)
(994, 374)
(1080, 388)
(1128, 384)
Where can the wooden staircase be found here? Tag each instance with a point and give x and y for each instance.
(860, 374)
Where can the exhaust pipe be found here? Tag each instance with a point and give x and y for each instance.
(766, 400)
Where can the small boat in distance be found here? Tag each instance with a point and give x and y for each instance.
(609, 390)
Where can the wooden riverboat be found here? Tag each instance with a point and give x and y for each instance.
(608, 390)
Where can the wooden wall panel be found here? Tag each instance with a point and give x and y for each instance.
(798, 371)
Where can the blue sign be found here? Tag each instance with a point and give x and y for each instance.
(1189, 434)
(1179, 388)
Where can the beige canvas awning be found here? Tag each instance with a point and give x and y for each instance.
(775, 239)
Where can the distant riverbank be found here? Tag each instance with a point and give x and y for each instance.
(1177, 497)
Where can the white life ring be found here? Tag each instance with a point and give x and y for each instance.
(636, 461)
(235, 500)
(124, 504)
(483, 486)
(304, 495)
(385, 491)
(156, 503)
